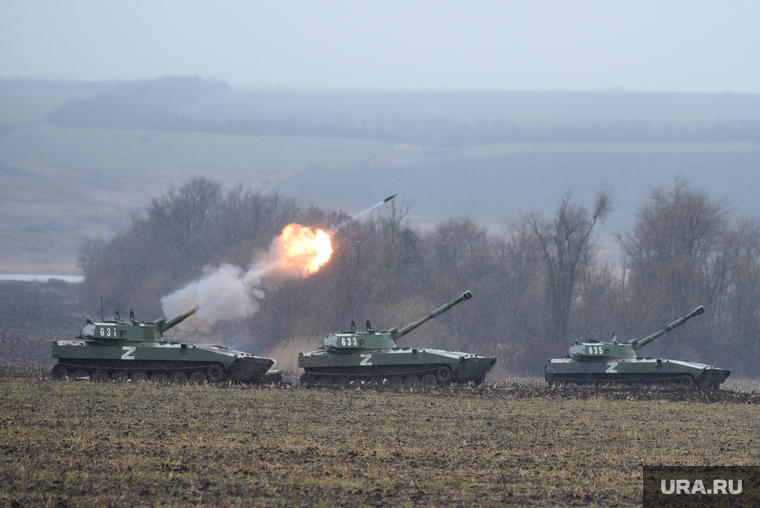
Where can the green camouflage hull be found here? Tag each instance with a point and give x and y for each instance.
(634, 371)
(160, 361)
(393, 366)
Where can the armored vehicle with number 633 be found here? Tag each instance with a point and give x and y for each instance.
(130, 350)
(617, 362)
(372, 356)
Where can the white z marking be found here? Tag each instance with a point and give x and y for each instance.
(129, 350)
(366, 357)
(611, 369)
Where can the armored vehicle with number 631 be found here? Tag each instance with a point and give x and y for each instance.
(129, 350)
(617, 362)
(372, 356)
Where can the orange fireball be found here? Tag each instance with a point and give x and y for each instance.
(303, 249)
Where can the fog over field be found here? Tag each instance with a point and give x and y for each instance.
(676, 46)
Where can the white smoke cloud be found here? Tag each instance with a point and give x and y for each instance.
(228, 293)
(221, 294)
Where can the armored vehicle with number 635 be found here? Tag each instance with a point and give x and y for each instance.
(617, 362)
(130, 350)
(372, 356)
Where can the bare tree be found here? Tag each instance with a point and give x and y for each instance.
(391, 226)
(564, 243)
(674, 251)
(460, 255)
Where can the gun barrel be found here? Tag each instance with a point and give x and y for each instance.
(678, 322)
(440, 310)
(176, 320)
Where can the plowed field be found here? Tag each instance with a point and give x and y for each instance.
(87, 444)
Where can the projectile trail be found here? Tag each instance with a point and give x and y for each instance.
(350, 219)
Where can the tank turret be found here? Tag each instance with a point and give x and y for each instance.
(132, 330)
(376, 339)
(617, 362)
(594, 350)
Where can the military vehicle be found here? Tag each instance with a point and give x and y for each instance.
(617, 362)
(129, 350)
(372, 356)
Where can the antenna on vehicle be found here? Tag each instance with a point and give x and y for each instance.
(102, 314)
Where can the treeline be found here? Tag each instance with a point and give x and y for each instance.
(170, 104)
(445, 132)
(152, 104)
(538, 285)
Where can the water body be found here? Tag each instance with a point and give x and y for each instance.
(41, 278)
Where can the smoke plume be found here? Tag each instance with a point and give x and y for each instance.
(228, 292)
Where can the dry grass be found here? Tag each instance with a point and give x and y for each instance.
(84, 444)
(743, 385)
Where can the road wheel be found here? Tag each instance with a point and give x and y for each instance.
(687, 382)
(60, 373)
(81, 375)
(178, 378)
(198, 378)
(215, 374)
(411, 381)
(392, 381)
(307, 380)
(120, 376)
(443, 375)
(325, 381)
(343, 381)
(100, 376)
(160, 378)
(429, 380)
(139, 376)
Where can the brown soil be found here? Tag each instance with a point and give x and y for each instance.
(85, 444)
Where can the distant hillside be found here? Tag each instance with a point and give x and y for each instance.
(150, 104)
(489, 155)
(429, 118)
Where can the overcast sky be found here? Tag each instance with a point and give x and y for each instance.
(652, 45)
